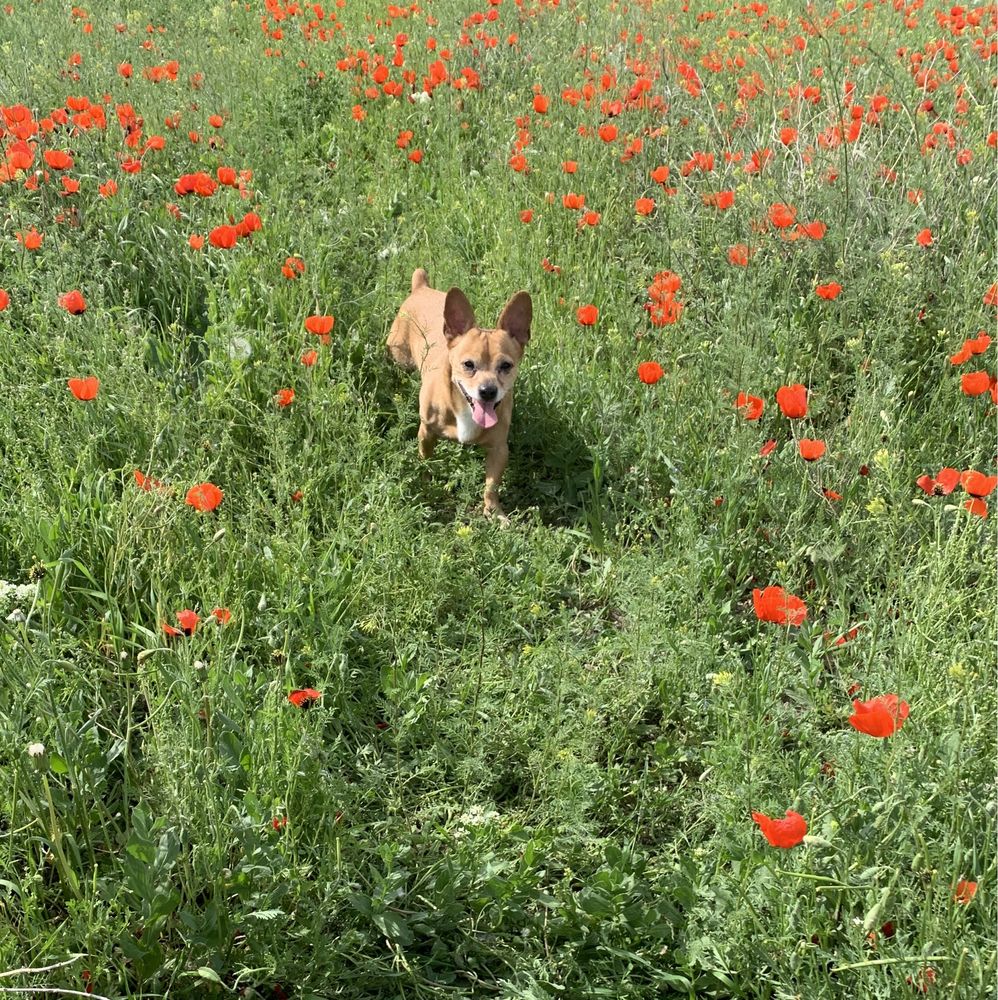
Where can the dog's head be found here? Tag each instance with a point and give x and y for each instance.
(484, 361)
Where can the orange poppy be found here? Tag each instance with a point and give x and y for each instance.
(786, 833)
(975, 383)
(977, 484)
(30, 240)
(204, 497)
(73, 302)
(792, 400)
(782, 216)
(924, 238)
(587, 315)
(284, 397)
(526, 215)
(752, 406)
(964, 892)
(195, 241)
(829, 291)
(4, 299)
(976, 507)
(879, 717)
(644, 206)
(57, 159)
(222, 615)
(309, 358)
(650, 372)
(811, 449)
(223, 237)
(84, 389)
(768, 448)
(774, 604)
(304, 697)
(319, 325)
(942, 485)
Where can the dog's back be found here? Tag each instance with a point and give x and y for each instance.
(418, 329)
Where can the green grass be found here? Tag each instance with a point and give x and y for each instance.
(532, 769)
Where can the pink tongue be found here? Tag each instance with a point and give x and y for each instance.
(484, 414)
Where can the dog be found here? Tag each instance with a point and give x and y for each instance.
(467, 371)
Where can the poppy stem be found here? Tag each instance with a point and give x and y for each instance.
(869, 963)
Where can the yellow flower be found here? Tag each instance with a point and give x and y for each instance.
(464, 530)
(722, 678)
(957, 670)
(877, 506)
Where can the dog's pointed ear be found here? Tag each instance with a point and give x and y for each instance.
(515, 318)
(459, 317)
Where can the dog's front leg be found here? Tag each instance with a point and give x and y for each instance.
(427, 441)
(496, 458)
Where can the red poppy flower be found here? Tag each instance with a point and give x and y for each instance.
(4, 299)
(518, 162)
(527, 215)
(650, 372)
(975, 383)
(721, 200)
(416, 156)
(977, 507)
(660, 174)
(829, 291)
(108, 190)
(309, 358)
(607, 132)
(768, 448)
(170, 630)
(991, 295)
(73, 302)
(977, 484)
(144, 482)
(774, 604)
(195, 241)
(879, 717)
(293, 266)
(222, 615)
(304, 697)
(965, 891)
(541, 104)
(811, 449)
(587, 315)
(942, 485)
(813, 230)
(792, 400)
(644, 206)
(57, 159)
(788, 136)
(319, 325)
(84, 389)
(204, 496)
(573, 201)
(739, 255)
(782, 216)
(223, 237)
(30, 240)
(188, 620)
(924, 238)
(751, 405)
(284, 397)
(787, 832)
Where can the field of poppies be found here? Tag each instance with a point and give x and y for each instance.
(714, 715)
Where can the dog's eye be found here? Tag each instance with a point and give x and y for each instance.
(505, 366)
(469, 366)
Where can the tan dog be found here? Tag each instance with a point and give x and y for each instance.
(467, 371)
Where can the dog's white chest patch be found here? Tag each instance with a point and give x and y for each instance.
(467, 429)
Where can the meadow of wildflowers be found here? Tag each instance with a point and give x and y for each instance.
(282, 715)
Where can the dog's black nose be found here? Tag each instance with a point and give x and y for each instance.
(488, 392)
